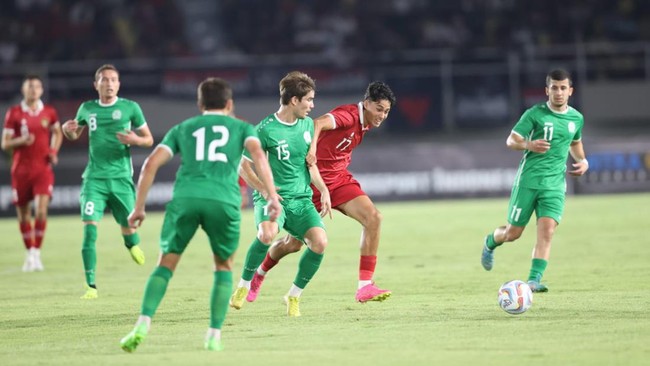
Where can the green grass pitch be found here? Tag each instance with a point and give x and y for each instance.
(443, 309)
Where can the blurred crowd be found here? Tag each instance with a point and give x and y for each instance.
(43, 30)
(344, 26)
(62, 30)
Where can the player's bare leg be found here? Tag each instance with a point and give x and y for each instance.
(24, 214)
(363, 210)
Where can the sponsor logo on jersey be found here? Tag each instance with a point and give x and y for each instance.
(307, 137)
(117, 114)
(572, 127)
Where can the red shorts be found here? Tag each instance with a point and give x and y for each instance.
(25, 186)
(340, 193)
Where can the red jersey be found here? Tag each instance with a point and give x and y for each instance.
(20, 120)
(334, 149)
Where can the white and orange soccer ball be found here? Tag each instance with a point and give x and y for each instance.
(515, 297)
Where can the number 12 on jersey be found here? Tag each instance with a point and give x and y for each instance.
(216, 143)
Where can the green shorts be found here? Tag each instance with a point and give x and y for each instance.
(545, 203)
(219, 220)
(297, 216)
(96, 194)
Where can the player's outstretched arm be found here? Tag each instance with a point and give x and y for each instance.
(72, 130)
(266, 176)
(581, 164)
(325, 200)
(322, 123)
(159, 157)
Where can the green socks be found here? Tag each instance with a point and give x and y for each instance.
(307, 267)
(254, 257)
(490, 243)
(88, 253)
(131, 240)
(155, 290)
(221, 288)
(537, 269)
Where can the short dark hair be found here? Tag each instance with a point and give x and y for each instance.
(377, 91)
(213, 93)
(32, 77)
(558, 75)
(106, 67)
(295, 84)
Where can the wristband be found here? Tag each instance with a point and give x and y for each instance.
(584, 161)
(54, 151)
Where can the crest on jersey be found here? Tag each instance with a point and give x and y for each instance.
(117, 114)
(307, 137)
(572, 127)
(44, 123)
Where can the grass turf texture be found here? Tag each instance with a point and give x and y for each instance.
(443, 308)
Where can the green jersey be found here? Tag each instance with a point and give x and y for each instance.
(211, 148)
(547, 170)
(286, 145)
(107, 156)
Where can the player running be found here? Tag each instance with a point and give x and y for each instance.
(336, 135)
(546, 133)
(108, 177)
(206, 194)
(32, 131)
(286, 136)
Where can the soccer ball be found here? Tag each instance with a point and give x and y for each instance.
(515, 297)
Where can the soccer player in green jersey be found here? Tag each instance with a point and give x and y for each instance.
(114, 125)
(206, 193)
(286, 136)
(546, 133)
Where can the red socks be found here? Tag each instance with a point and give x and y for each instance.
(367, 265)
(27, 233)
(268, 263)
(39, 232)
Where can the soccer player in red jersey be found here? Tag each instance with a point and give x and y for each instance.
(32, 131)
(336, 135)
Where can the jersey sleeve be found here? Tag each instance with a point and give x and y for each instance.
(170, 141)
(9, 123)
(525, 125)
(138, 117)
(54, 116)
(342, 118)
(252, 132)
(578, 134)
(82, 115)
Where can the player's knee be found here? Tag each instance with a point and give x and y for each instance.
(41, 213)
(373, 219)
(265, 237)
(318, 244)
